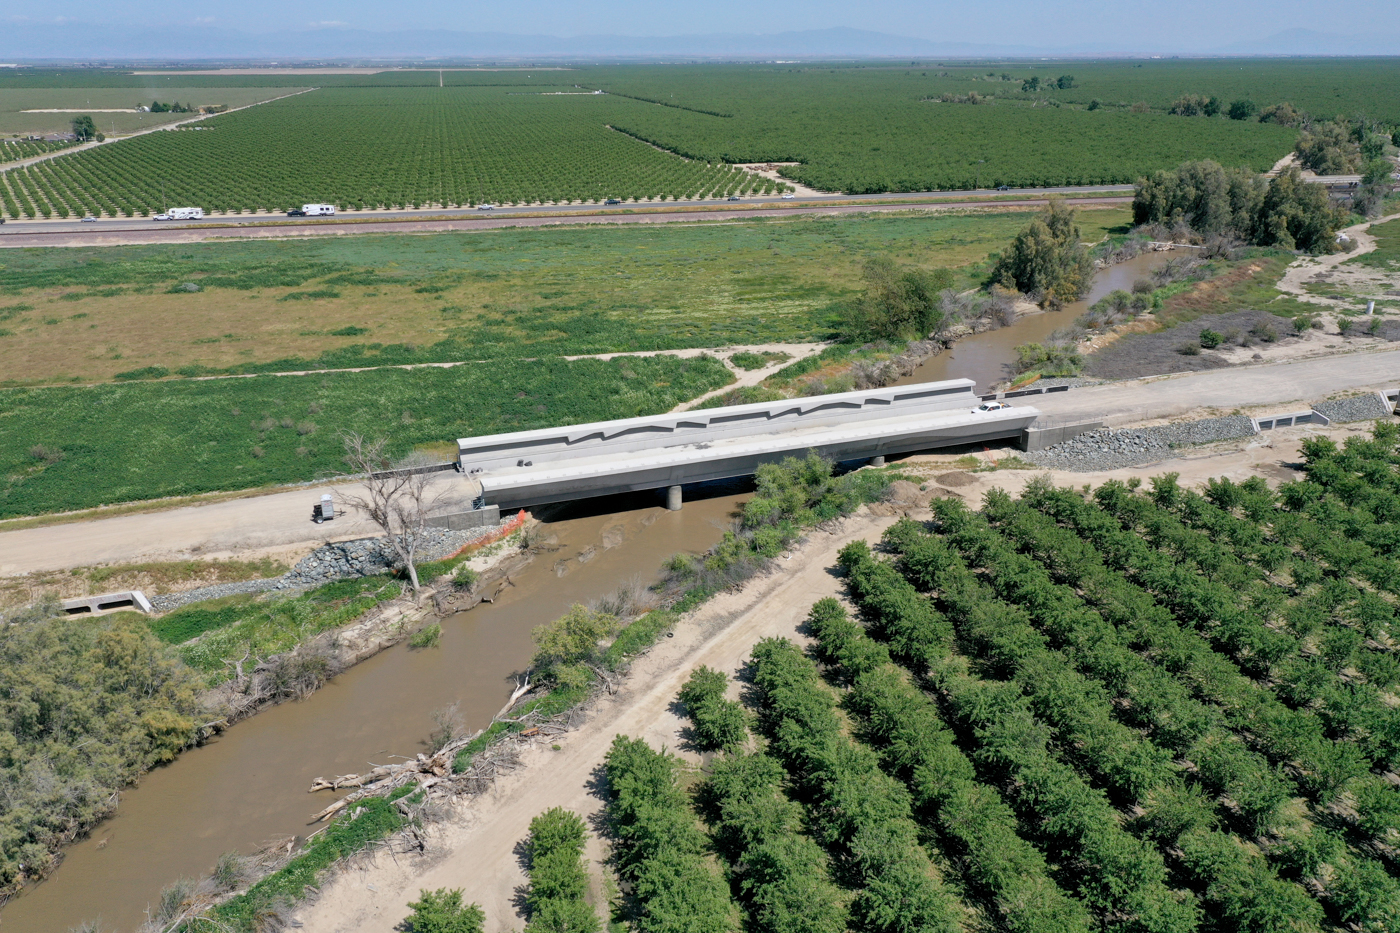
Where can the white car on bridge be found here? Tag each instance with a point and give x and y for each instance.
(990, 406)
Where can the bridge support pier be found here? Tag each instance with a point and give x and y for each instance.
(878, 461)
(673, 498)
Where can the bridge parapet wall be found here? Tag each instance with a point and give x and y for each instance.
(657, 432)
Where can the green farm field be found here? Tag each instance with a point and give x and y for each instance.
(396, 139)
(13, 103)
(378, 147)
(883, 129)
(1131, 710)
(1322, 87)
(334, 302)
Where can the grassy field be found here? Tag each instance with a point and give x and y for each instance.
(14, 101)
(71, 448)
(511, 295)
(332, 302)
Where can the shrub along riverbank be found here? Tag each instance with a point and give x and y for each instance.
(579, 651)
(87, 705)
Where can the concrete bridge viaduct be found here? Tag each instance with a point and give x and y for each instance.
(667, 451)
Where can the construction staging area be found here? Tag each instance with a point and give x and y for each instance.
(666, 451)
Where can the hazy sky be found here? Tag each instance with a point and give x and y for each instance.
(1199, 23)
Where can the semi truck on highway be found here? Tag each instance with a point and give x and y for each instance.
(181, 213)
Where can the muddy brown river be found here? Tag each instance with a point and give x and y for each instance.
(988, 357)
(248, 785)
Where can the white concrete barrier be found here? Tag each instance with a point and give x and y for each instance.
(602, 458)
(108, 602)
(1289, 419)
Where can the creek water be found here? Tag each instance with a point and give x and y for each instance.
(248, 785)
(988, 357)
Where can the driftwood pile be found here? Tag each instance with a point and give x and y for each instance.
(486, 590)
(433, 773)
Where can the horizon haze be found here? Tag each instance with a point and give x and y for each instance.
(85, 30)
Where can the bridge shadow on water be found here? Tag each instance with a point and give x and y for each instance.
(690, 492)
(643, 499)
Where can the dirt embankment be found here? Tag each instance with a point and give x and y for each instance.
(476, 849)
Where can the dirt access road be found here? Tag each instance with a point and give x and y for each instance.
(1303, 270)
(244, 525)
(476, 849)
(211, 530)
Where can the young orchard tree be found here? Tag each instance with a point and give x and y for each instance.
(394, 497)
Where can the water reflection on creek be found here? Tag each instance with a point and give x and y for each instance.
(986, 358)
(248, 785)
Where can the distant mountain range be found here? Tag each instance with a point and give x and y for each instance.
(92, 42)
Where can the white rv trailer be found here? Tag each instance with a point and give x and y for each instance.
(181, 213)
(318, 210)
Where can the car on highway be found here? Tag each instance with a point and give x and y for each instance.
(296, 212)
(735, 197)
(612, 201)
(1003, 187)
(990, 406)
(486, 207)
(789, 196)
(89, 219)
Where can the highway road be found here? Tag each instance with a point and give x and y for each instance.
(280, 519)
(121, 231)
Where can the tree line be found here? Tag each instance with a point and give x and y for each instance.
(1285, 211)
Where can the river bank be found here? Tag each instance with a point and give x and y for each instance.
(181, 700)
(474, 848)
(246, 786)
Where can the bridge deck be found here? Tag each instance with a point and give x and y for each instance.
(554, 465)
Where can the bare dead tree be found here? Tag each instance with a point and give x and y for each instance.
(396, 497)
